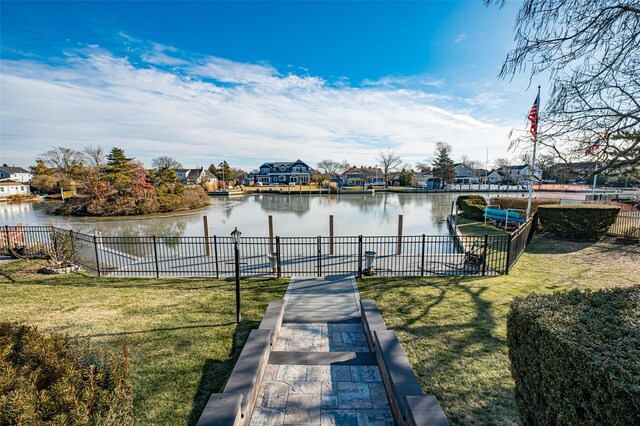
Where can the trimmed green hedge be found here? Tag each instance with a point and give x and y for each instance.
(53, 379)
(472, 206)
(580, 221)
(575, 357)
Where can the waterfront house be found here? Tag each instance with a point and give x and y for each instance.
(571, 172)
(363, 176)
(17, 174)
(465, 174)
(10, 187)
(520, 174)
(283, 173)
(497, 177)
(196, 176)
(426, 180)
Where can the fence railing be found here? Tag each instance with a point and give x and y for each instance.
(519, 240)
(156, 256)
(627, 225)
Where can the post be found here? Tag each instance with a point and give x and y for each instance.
(532, 167)
(359, 256)
(62, 193)
(508, 254)
(484, 254)
(205, 222)
(331, 235)
(155, 256)
(319, 256)
(237, 255)
(215, 251)
(270, 234)
(423, 248)
(278, 262)
(453, 203)
(593, 189)
(6, 231)
(73, 246)
(399, 250)
(95, 247)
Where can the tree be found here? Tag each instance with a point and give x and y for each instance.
(330, 168)
(41, 169)
(591, 49)
(166, 181)
(165, 162)
(406, 176)
(423, 167)
(389, 161)
(443, 164)
(67, 161)
(94, 155)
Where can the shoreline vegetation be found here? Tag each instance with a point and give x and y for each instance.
(122, 187)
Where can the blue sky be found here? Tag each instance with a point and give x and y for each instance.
(256, 81)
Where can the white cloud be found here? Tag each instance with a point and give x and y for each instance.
(208, 109)
(460, 37)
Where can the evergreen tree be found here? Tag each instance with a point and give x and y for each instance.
(166, 181)
(443, 164)
(41, 168)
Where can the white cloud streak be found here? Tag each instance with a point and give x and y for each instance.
(203, 110)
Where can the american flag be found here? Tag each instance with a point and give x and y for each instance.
(221, 165)
(534, 117)
(593, 148)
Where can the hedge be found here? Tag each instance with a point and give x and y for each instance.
(575, 357)
(472, 206)
(520, 203)
(580, 221)
(54, 379)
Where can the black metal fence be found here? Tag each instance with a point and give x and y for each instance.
(155, 256)
(519, 240)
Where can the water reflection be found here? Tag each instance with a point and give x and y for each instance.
(294, 215)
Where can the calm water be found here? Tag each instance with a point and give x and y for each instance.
(294, 215)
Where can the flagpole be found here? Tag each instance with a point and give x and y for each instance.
(533, 160)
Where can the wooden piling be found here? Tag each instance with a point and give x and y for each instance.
(331, 235)
(205, 222)
(399, 234)
(271, 234)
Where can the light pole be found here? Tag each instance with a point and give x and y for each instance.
(235, 235)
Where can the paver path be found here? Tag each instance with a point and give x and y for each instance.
(321, 371)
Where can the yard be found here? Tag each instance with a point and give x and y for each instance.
(181, 334)
(453, 329)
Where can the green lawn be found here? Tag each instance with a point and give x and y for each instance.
(454, 328)
(180, 333)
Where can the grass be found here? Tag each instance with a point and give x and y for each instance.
(473, 228)
(453, 329)
(180, 333)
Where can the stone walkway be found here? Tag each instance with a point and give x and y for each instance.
(321, 371)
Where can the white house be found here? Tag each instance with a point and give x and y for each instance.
(11, 187)
(520, 174)
(196, 176)
(17, 174)
(496, 177)
(465, 174)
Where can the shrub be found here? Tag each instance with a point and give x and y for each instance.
(53, 379)
(520, 203)
(575, 357)
(580, 221)
(472, 206)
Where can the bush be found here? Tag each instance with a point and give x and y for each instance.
(579, 221)
(520, 203)
(575, 357)
(53, 379)
(472, 206)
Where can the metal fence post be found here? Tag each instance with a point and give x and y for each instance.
(155, 256)
(73, 246)
(508, 255)
(484, 254)
(278, 261)
(6, 230)
(95, 247)
(423, 247)
(359, 256)
(319, 256)
(215, 248)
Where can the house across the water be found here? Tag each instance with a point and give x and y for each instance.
(196, 176)
(283, 173)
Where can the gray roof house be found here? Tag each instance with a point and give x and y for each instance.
(464, 173)
(17, 174)
(196, 176)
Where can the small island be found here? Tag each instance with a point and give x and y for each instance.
(121, 187)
